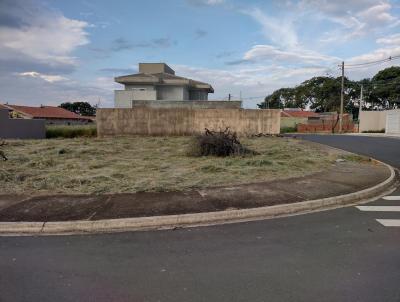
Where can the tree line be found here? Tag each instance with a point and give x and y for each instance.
(322, 94)
(81, 108)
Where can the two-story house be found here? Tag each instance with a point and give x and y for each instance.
(158, 82)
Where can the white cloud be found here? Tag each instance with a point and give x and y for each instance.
(357, 18)
(371, 69)
(46, 37)
(390, 40)
(34, 90)
(254, 82)
(279, 31)
(37, 47)
(214, 2)
(377, 54)
(297, 55)
(45, 77)
(206, 2)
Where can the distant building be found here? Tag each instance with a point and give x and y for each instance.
(52, 115)
(157, 84)
(289, 112)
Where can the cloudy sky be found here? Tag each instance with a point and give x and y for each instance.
(56, 50)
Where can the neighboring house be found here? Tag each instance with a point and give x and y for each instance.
(158, 82)
(52, 115)
(291, 117)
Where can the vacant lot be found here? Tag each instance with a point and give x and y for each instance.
(133, 164)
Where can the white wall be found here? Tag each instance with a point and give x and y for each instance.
(393, 122)
(372, 120)
(172, 93)
(124, 98)
(138, 87)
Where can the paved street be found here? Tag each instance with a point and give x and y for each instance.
(348, 254)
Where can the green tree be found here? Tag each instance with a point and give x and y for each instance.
(386, 86)
(281, 98)
(82, 108)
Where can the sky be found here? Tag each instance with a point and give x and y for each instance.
(56, 51)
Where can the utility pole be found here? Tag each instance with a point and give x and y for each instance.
(360, 108)
(341, 102)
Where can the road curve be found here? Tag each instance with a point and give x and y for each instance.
(338, 255)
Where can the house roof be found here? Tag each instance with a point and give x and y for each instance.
(162, 78)
(45, 112)
(304, 114)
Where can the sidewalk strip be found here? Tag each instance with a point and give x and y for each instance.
(379, 208)
(389, 222)
(391, 197)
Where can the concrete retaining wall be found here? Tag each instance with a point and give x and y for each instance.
(372, 120)
(393, 122)
(20, 128)
(185, 121)
(189, 104)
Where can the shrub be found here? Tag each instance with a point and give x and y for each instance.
(288, 129)
(221, 143)
(2, 154)
(71, 131)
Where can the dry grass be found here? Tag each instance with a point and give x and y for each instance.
(133, 164)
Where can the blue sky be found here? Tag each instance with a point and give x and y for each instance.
(57, 51)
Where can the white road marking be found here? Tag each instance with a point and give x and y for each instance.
(391, 197)
(389, 222)
(379, 208)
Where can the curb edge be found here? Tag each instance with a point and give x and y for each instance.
(194, 219)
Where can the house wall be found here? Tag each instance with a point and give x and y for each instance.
(137, 87)
(155, 68)
(173, 93)
(188, 104)
(201, 95)
(185, 121)
(20, 128)
(123, 98)
(372, 120)
(186, 95)
(393, 121)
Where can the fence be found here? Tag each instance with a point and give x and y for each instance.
(20, 128)
(185, 121)
(372, 121)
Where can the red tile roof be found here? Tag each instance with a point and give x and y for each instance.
(304, 114)
(46, 112)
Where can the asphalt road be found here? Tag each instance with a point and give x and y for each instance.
(338, 255)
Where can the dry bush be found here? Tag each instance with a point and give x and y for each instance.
(218, 143)
(2, 154)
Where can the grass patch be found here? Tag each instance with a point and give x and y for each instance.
(137, 164)
(72, 131)
(288, 129)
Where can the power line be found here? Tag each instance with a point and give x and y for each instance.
(391, 58)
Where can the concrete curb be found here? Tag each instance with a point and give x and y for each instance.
(196, 219)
